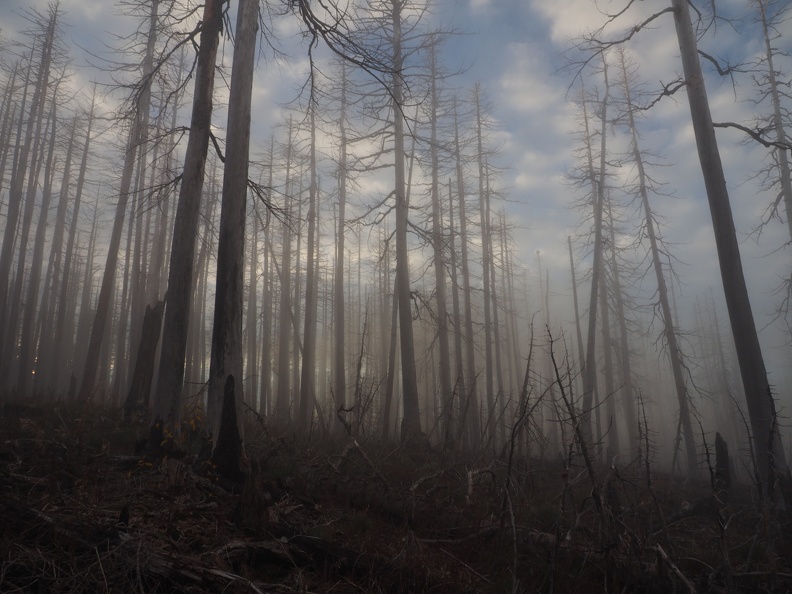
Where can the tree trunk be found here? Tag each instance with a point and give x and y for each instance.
(251, 315)
(777, 120)
(627, 395)
(47, 314)
(598, 199)
(761, 404)
(411, 422)
(227, 347)
(438, 247)
(674, 350)
(470, 404)
(86, 315)
(19, 170)
(459, 387)
(9, 111)
(26, 342)
(137, 398)
(265, 396)
(167, 403)
(485, 266)
(283, 395)
(611, 427)
(58, 373)
(339, 334)
(137, 137)
(308, 372)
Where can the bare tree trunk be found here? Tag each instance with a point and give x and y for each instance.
(167, 402)
(339, 330)
(251, 315)
(23, 238)
(121, 367)
(227, 348)
(84, 324)
(485, 266)
(470, 404)
(500, 395)
(9, 344)
(598, 199)
(296, 303)
(761, 404)
(674, 350)
(6, 131)
(390, 388)
(411, 423)
(628, 395)
(194, 375)
(159, 249)
(265, 396)
(459, 388)
(61, 337)
(554, 437)
(18, 146)
(47, 313)
(308, 372)
(19, 170)
(137, 137)
(777, 120)
(438, 246)
(283, 395)
(579, 334)
(611, 427)
(27, 345)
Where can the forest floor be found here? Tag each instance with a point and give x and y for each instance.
(80, 512)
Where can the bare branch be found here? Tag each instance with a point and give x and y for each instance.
(757, 134)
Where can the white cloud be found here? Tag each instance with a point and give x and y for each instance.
(478, 6)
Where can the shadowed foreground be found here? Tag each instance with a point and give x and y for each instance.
(80, 513)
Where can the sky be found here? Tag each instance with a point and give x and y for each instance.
(517, 50)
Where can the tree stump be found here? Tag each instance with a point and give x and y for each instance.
(227, 453)
(722, 465)
(137, 399)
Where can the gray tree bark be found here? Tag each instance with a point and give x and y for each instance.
(167, 402)
(411, 422)
(227, 348)
(761, 404)
(308, 371)
(674, 350)
(438, 247)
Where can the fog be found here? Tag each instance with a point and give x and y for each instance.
(399, 267)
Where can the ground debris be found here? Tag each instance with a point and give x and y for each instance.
(80, 513)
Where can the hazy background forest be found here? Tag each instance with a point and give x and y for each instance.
(395, 295)
(513, 120)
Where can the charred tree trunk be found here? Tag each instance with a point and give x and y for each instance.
(227, 347)
(167, 403)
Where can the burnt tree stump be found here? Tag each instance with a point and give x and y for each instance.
(227, 454)
(137, 399)
(722, 465)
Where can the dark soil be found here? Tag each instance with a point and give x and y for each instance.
(80, 512)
